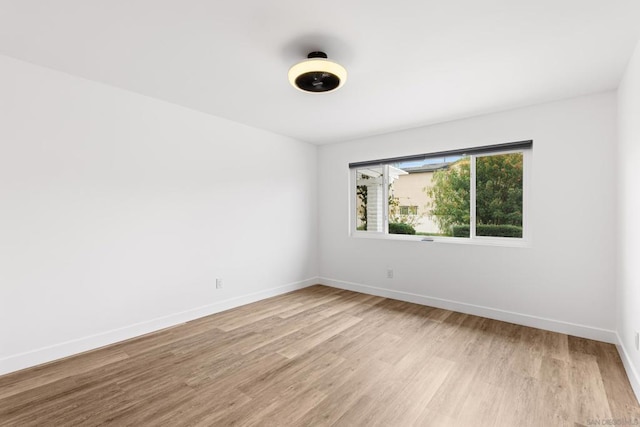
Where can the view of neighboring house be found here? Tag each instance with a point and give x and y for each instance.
(414, 204)
(408, 186)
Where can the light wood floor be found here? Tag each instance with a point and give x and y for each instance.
(322, 356)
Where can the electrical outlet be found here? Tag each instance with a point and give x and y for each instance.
(218, 283)
(389, 273)
(637, 341)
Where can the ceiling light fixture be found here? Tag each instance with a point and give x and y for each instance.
(317, 74)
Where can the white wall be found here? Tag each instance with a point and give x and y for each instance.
(565, 281)
(118, 211)
(629, 217)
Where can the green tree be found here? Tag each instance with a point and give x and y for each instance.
(498, 192)
(450, 196)
(499, 189)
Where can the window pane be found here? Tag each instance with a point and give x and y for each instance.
(430, 197)
(499, 195)
(369, 195)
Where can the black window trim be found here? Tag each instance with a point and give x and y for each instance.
(519, 145)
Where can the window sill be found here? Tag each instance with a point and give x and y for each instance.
(481, 241)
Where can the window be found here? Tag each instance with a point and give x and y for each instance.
(474, 194)
(408, 210)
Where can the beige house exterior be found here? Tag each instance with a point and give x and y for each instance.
(414, 204)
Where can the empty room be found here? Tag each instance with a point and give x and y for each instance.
(282, 213)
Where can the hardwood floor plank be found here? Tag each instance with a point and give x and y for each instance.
(367, 409)
(338, 324)
(351, 387)
(518, 402)
(24, 380)
(588, 392)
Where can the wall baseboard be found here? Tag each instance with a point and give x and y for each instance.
(582, 331)
(69, 348)
(634, 378)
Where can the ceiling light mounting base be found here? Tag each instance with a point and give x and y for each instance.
(317, 54)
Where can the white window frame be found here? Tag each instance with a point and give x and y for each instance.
(524, 241)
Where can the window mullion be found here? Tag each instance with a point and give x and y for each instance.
(385, 199)
(472, 197)
(354, 201)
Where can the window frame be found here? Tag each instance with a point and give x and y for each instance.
(473, 239)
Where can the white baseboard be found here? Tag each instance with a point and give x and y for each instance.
(634, 378)
(477, 310)
(64, 349)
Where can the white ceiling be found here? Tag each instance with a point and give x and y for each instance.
(410, 62)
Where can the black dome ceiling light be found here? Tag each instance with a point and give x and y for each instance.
(317, 74)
